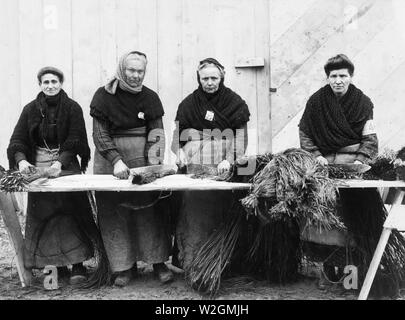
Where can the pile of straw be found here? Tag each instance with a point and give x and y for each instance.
(292, 185)
(287, 188)
(205, 271)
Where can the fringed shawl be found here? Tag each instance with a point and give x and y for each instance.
(333, 124)
(71, 130)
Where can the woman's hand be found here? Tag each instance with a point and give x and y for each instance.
(55, 170)
(25, 167)
(121, 170)
(181, 160)
(322, 160)
(223, 166)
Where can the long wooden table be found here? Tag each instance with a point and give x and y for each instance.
(76, 183)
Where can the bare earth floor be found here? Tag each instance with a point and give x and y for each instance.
(146, 287)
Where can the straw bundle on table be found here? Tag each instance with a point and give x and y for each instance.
(148, 177)
(286, 188)
(293, 185)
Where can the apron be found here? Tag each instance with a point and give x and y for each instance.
(201, 212)
(131, 235)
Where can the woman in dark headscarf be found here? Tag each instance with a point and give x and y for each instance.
(51, 133)
(211, 129)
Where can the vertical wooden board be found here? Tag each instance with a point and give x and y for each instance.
(389, 111)
(169, 19)
(86, 58)
(224, 13)
(293, 93)
(10, 99)
(147, 39)
(127, 25)
(245, 79)
(31, 56)
(57, 47)
(262, 13)
(388, 53)
(308, 34)
(108, 35)
(284, 13)
(197, 40)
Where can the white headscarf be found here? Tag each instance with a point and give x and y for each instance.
(120, 78)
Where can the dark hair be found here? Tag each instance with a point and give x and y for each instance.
(340, 61)
(52, 70)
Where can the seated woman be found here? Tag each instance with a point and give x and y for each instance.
(51, 133)
(208, 120)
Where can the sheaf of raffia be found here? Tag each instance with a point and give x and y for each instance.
(382, 167)
(275, 252)
(13, 181)
(205, 271)
(293, 185)
(148, 177)
(340, 173)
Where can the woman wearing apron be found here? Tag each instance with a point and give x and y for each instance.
(51, 133)
(128, 133)
(211, 126)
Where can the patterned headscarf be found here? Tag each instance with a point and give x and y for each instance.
(120, 78)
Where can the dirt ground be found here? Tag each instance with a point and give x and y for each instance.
(146, 287)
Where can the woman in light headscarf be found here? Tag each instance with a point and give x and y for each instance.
(127, 122)
(51, 133)
(211, 111)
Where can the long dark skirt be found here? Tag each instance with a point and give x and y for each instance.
(131, 233)
(54, 232)
(57, 224)
(200, 215)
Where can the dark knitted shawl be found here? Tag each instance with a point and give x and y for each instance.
(71, 130)
(230, 110)
(333, 124)
(121, 110)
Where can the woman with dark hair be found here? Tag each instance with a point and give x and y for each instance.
(211, 128)
(51, 133)
(337, 124)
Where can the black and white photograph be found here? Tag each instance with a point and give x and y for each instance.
(201, 156)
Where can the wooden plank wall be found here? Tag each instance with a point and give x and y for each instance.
(295, 37)
(86, 37)
(304, 34)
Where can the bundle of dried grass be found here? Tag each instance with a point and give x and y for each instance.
(204, 272)
(382, 167)
(13, 181)
(148, 177)
(399, 164)
(294, 185)
(286, 188)
(337, 172)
